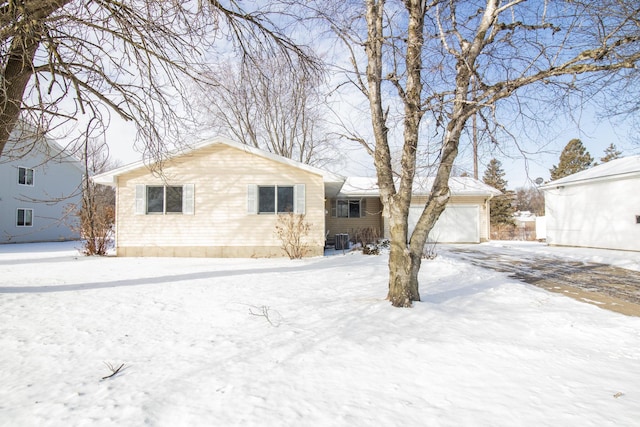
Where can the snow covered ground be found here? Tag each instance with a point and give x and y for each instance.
(304, 343)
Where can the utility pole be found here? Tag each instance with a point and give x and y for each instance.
(474, 124)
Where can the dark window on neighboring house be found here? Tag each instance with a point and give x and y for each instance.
(25, 218)
(25, 176)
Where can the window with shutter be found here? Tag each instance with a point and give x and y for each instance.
(272, 199)
(300, 199)
(252, 199)
(188, 200)
(165, 199)
(347, 208)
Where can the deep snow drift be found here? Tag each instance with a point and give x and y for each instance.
(313, 342)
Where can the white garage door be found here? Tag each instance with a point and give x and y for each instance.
(457, 224)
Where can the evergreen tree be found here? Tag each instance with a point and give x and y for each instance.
(574, 158)
(610, 153)
(501, 209)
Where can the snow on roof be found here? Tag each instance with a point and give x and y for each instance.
(347, 187)
(459, 186)
(624, 167)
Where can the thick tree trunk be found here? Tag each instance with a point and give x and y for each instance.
(18, 65)
(16, 75)
(404, 266)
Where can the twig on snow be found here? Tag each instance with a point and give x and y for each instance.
(113, 370)
(265, 312)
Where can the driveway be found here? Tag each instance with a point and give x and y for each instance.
(606, 286)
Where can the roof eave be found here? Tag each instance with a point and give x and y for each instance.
(559, 183)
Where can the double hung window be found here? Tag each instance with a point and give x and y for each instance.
(276, 199)
(348, 208)
(164, 199)
(25, 176)
(25, 218)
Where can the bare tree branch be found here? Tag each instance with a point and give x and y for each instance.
(455, 60)
(132, 57)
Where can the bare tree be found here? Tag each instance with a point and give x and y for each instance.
(270, 104)
(452, 59)
(97, 210)
(530, 199)
(64, 60)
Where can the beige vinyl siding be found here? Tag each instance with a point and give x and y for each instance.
(221, 176)
(372, 218)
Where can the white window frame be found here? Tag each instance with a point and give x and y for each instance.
(188, 199)
(253, 199)
(26, 175)
(24, 224)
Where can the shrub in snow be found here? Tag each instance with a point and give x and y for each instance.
(371, 250)
(291, 229)
(429, 251)
(366, 235)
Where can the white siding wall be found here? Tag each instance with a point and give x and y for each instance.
(457, 224)
(481, 222)
(599, 215)
(221, 176)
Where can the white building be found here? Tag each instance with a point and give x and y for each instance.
(598, 207)
(40, 184)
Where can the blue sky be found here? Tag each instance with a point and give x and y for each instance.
(542, 144)
(596, 134)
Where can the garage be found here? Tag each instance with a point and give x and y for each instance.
(457, 224)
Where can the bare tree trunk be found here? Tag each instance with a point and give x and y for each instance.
(131, 58)
(471, 59)
(404, 260)
(17, 74)
(19, 67)
(404, 265)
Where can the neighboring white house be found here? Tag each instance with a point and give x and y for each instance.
(40, 182)
(598, 207)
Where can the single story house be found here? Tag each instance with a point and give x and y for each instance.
(464, 220)
(41, 186)
(598, 207)
(222, 199)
